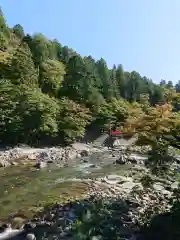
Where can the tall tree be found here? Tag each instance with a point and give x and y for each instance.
(40, 48)
(22, 69)
(51, 75)
(114, 84)
(133, 86)
(74, 80)
(103, 72)
(169, 84)
(178, 86)
(121, 81)
(3, 32)
(19, 66)
(162, 83)
(19, 31)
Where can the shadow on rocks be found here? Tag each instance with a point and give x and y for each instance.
(100, 218)
(164, 226)
(92, 218)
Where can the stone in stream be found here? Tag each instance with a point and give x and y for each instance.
(84, 153)
(115, 179)
(85, 160)
(128, 186)
(175, 185)
(30, 236)
(130, 158)
(158, 187)
(93, 166)
(40, 165)
(121, 160)
(4, 163)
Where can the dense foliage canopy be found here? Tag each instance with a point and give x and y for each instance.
(48, 92)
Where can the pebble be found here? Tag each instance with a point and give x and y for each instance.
(30, 236)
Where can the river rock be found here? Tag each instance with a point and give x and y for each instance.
(115, 179)
(129, 186)
(41, 164)
(93, 166)
(140, 168)
(126, 158)
(85, 160)
(158, 187)
(122, 160)
(43, 156)
(84, 153)
(175, 185)
(4, 163)
(137, 158)
(56, 155)
(30, 236)
(14, 163)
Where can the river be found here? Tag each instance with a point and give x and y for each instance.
(27, 190)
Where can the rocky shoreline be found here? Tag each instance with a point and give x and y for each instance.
(112, 205)
(62, 156)
(125, 198)
(56, 155)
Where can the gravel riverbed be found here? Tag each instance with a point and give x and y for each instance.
(82, 177)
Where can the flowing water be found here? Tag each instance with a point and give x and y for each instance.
(28, 190)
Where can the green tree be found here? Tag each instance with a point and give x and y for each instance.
(157, 95)
(27, 115)
(20, 67)
(45, 86)
(74, 80)
(104, 75)
(133, 86)
(114, 84)
(73, 119)
(40, 48)
(3, 32)
(121, 81)
(178, 86)
(19, 31)
(51, 75)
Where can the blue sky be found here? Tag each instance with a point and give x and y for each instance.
(143, 35)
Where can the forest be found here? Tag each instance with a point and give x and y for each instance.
(51, 94)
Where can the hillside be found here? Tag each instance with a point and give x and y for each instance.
(51, 94)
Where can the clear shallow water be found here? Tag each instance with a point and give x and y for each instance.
(26, 189)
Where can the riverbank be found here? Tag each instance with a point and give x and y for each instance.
(111, 206)
(28, 188)
(96, 171)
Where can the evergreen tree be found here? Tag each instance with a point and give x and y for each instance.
(19, 31)
(121, 81)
